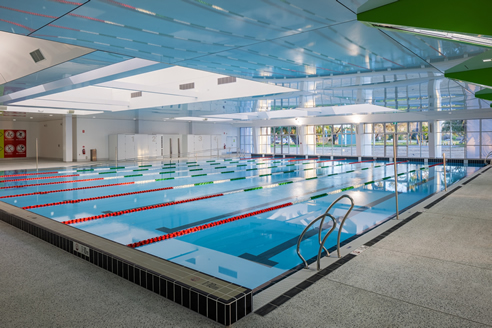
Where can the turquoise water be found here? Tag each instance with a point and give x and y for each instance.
(249, 251)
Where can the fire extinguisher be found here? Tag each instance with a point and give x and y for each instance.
(83, 151)
(224, 146)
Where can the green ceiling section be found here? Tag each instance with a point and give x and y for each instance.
(484, 94)
(478, 76)
(474, 70)
(472, 17)
(477, 62)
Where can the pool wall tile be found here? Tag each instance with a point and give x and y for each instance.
(225, 312)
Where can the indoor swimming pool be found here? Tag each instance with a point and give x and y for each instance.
(235, 219)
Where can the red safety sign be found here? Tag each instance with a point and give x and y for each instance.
(13, 143)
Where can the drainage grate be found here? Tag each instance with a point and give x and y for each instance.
(393, 229)
(264, 310)
(441, 198)
(464, 183)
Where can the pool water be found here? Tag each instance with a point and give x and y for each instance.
(237, 219)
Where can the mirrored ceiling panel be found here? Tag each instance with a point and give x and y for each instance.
(352, 4)
(435, 50)
(340, 49)
(26, 16)
(158, 30)
(75, 66)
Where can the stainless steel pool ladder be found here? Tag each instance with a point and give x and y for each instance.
(488, 155)
(322, 242)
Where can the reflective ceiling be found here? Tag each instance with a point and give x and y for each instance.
(317, 47)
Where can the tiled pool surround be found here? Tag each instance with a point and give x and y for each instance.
(219, 300)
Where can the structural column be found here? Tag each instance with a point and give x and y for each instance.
(67, 138)
(359, 139)
(432, 138)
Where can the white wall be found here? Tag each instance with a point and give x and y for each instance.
(224, 130)
(163, 127)
(93, 134)
(32, 132)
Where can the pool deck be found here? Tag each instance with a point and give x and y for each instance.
(434, 271)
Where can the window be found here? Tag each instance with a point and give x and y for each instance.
(246, 140)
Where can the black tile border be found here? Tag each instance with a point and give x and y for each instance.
(428, 206)
(392, 229)
(225, 312)
(285, 297)
(471, 179)
(274, 304)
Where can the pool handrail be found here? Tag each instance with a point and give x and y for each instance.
(341, 224)
(322, 242)
(321, 217)
(486, 157)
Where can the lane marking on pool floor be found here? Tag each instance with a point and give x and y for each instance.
(124, 183)
(147, 174)
(239, 217)
(136, 170)
(128, 167)
(209, 225)
(190, 186)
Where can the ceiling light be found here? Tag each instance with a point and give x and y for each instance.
(51, 114)
(30, 117)
(14, 120)
(487, 60)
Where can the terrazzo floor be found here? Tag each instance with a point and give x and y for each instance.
(435, 271)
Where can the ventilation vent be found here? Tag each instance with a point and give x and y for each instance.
(37, 56)
(187, 86)
(136, 94)
(229, 79)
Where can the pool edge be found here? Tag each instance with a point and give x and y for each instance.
(216, 299)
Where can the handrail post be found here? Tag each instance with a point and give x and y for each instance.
(444, 168)
(116, 155)
(36, 155)
(396, 176)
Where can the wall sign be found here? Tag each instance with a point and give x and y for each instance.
(13, 143)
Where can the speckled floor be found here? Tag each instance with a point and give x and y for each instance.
(436, 271)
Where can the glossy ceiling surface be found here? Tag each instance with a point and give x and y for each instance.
(276, 41)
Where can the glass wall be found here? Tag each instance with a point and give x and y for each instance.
(464, 138)
(412, 139)
(246, 140)
(336, 140)
(455, 138)
(451, 138)
(279, 140)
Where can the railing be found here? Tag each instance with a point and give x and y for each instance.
(488, 155)
(322, 242)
